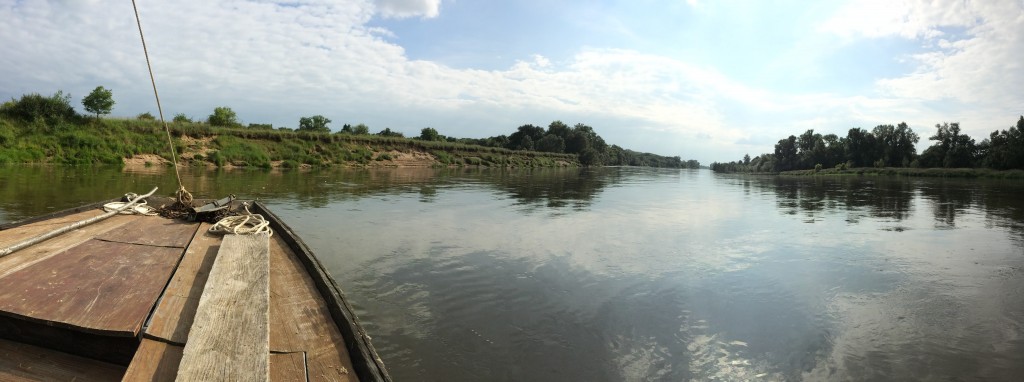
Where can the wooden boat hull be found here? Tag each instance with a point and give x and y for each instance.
(118, 298)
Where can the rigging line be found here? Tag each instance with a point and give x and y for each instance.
(160, 110)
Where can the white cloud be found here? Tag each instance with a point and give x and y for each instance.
(972, 54)
(274, 63)
(409, 8)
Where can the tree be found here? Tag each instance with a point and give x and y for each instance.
(387, 132)
(786, 154)
(223, 116)
(100, 101)
(518, 140)
(360, 129)
(550, 143)
(951, 148)
(31, 107)
(429, 134)
(181, 118)
(314, 124)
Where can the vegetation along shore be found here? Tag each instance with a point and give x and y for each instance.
(890, 150)
(48, 129)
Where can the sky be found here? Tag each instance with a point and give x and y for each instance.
(699, 79)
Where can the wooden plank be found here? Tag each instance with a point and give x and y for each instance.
(31, 255)
(99, 286)
(21, 362)
(154, 361)
(229, 338)
(154, 230)
(173, 316)
(158, 361)
(288, 367)
(367, 365)
(300, 319)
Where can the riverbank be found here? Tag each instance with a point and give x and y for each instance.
(912, 172)
(133, 142)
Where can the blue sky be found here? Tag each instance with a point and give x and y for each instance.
(709, 80)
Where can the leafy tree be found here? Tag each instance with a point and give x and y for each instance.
(181, 118)
(1005, 149)
(99, 101)
(951, 147)
(518, 140)
(388, 133)
(223, 116)
(860, 147)
(429, 134)
(147, 116)
(361, 129)
(550, 143)
(590, 157)
(31, 107)
(786, 154)
(559, 129)
(314, 124)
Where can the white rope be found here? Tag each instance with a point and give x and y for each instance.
(140, 208)
(247, 224)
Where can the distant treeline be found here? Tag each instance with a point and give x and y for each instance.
(888, 146)
(40, 118)
(580, 140)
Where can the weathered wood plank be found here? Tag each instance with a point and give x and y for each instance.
(99, 287)
(20, 362)
(173, 317)
(300, 319)
(288, 367)
(31, 255)
(229, 338)
(154, 231)
(154, 361)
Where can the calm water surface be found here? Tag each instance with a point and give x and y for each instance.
(641, 274)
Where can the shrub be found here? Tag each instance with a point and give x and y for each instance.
(32, 107)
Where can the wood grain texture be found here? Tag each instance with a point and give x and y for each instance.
(300, 319)
(229, 338)
(288, 367)
(98, 286)
(153, 230)
(172, 319)
(20, 362)
(154, 361)
(41, 251)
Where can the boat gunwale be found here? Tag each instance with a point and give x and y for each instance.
(366, 363)
(365, 360)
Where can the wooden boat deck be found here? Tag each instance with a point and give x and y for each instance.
(117, 299)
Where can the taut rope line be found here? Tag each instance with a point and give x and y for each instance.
(184, 197)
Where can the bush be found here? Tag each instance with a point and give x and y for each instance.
(33, 107)
(145, 117)
(181, 118)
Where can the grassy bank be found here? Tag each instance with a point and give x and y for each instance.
(112, 141)
(912, 172)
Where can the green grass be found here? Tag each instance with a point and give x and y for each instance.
(108, 140)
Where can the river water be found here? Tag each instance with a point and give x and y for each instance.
(628, 274)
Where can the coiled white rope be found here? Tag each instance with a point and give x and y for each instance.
(248, 224)
(140, 208)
